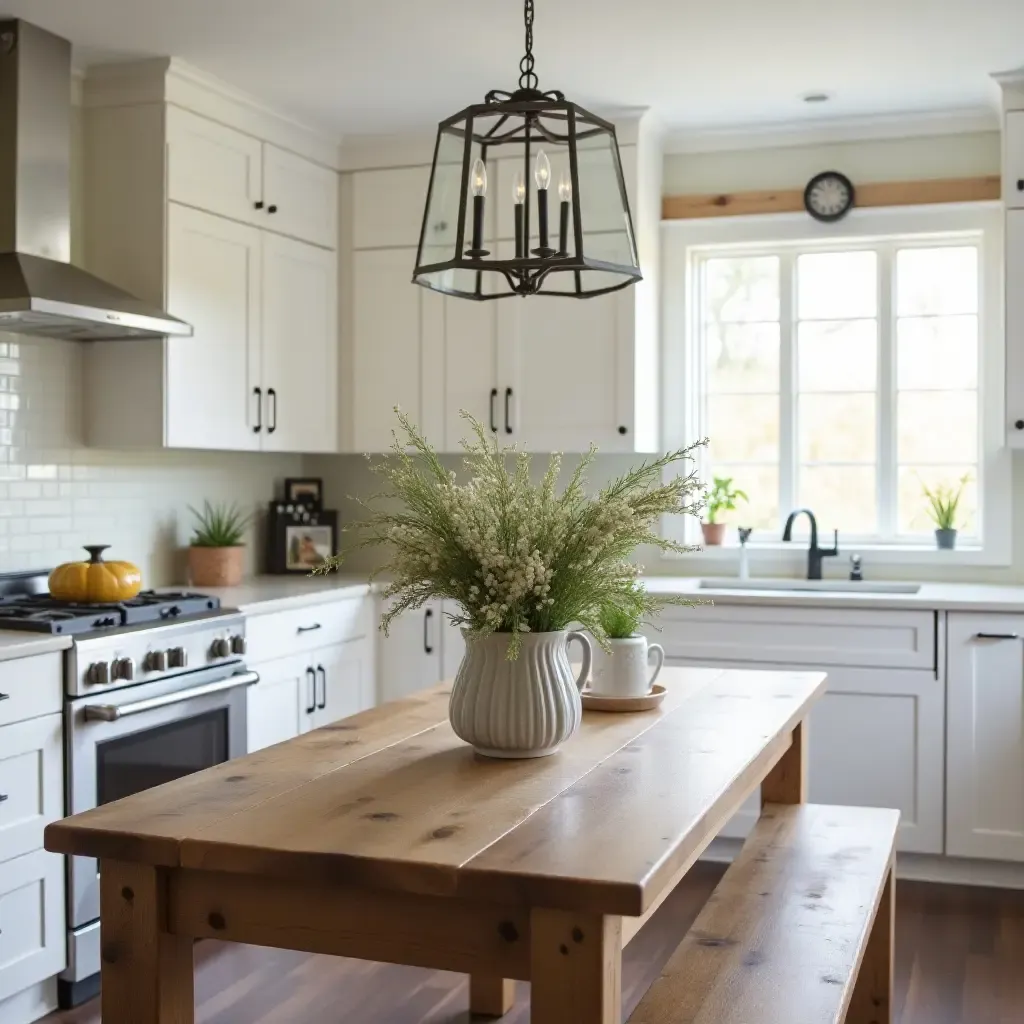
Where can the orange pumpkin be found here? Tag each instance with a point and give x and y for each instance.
(95, 581)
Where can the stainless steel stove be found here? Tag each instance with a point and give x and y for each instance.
(155, 689)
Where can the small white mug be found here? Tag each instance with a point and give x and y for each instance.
(623, 672)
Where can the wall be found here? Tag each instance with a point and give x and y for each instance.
(56, 494)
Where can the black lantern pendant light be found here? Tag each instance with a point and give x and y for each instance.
(501, 157)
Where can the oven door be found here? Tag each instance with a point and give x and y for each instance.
(132, 739)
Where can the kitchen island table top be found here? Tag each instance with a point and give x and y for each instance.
(383, 836)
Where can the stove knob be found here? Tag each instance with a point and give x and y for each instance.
(156, 661)
(238, 645)
(98, 673)
(220, 648)
(177, 657)
(124, 668)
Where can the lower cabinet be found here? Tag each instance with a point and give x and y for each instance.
(411, 653)
(985, 740)
(277, 704)
(875, 740)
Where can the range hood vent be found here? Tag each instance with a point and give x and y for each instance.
(40, 291)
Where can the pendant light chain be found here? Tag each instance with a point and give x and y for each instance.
(528, 79)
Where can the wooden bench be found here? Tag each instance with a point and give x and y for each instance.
(799, 931)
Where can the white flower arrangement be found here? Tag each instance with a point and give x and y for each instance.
(516, 556)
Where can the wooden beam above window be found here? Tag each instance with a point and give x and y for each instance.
(885, 193)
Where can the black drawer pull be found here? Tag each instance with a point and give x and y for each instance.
(308, 629)
(5, 696)
(3, 797)
(996, 636)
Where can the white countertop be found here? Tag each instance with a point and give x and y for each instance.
(17, 644)
(263, 594)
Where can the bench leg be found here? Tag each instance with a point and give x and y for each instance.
(490, 996)
(786, 783)
(575, 968)
(872, 994)
(146, 972)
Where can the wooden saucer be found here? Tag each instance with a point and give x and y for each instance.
(592, 702)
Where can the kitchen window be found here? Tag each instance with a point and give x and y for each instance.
(843, 369)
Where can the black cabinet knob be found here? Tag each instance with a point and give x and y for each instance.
(271, 209)
(622, 430)
(1018, 424)
(258, 205)
(1020, 184)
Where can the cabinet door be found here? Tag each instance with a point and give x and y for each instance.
(410, 656)
(388, 208)
(213, 282)
(213, 168)
(397, 330)
(876, 740)
(344, 680)
(32, 928)
(453, 644)
(279, 704)
(31, 783)
(470, 369)
(1013, 146)
(1015, 327)
(985, 737)
(300, 197)
(300, 346)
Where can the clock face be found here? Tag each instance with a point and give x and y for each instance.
(829, 196)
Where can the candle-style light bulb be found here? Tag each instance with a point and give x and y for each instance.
(479, 178)
(519, 189)
(565, 186)
(542, 170)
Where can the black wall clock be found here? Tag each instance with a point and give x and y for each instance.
(829, 196)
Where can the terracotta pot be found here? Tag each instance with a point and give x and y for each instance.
(714, 534)
(216, 567)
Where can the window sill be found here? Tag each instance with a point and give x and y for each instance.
(790, 557)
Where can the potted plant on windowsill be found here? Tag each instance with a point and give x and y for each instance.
(721, 498)
(216, 555)
(943, 504)
(523, 561)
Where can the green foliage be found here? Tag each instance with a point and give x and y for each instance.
(623, 613)
(943, 502)
(722, 497)
(219, 526)
(516, 556)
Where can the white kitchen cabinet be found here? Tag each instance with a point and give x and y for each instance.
(1015, 326)
(345, 683)
(387, 208)
(300, 197)
(471, 370)
(214, 282)
(411, 656)
(31, 783)
(1013, 160)
(278, 704)
(985, 736)
(453, 643)
(299, 346)
(32, 935)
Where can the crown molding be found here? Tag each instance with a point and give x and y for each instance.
(831, 130)
(171, 80)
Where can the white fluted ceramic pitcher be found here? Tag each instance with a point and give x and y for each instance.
(523, 708)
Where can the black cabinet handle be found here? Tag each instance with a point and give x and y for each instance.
(258, 205)
(623, 430)
(271, 393)
(258, 392)
(322, 703)
(494, 395)
(1020, 184)
(271, 209)
(427, 616)
(308, 629)
(996, 636)
(311, 706)
(3, 797)
(1019, 424)
(5, 696)
(508, 400)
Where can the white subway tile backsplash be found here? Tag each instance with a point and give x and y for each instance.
(56, 494)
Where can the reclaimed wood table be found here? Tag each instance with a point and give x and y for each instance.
(384, 837)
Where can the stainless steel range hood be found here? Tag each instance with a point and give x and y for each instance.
(40, 291)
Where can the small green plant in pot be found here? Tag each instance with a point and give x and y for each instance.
(722, 497)
(943, 506)
(216, 554)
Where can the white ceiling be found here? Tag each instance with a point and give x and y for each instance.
(382, 66)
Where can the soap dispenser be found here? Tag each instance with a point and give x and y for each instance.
(744, 534)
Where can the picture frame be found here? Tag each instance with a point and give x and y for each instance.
(299, 537)
(304, 490)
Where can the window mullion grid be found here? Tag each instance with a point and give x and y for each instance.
(787, 383)
(887, 397)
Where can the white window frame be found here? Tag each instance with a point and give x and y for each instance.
(683, 244)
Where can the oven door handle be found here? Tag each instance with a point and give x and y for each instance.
(113, 712)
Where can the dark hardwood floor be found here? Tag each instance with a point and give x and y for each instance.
(959, 960)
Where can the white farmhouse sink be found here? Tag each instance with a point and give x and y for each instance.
(828, 586)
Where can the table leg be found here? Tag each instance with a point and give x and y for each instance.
(575, 968)
(146, 972)
(490, 996)
(872, 1001)
(786, 783)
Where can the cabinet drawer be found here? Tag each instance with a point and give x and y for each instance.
(301, 197)
(32, 940)
(30, 687)
(278, 634)
(31, 783)
(387, 208)
(800, 636)
(1013, 157)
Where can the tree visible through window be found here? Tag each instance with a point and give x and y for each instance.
(842, 380)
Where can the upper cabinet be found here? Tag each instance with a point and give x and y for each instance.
(235, 234)
(1013, 159)
(1013, 200)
